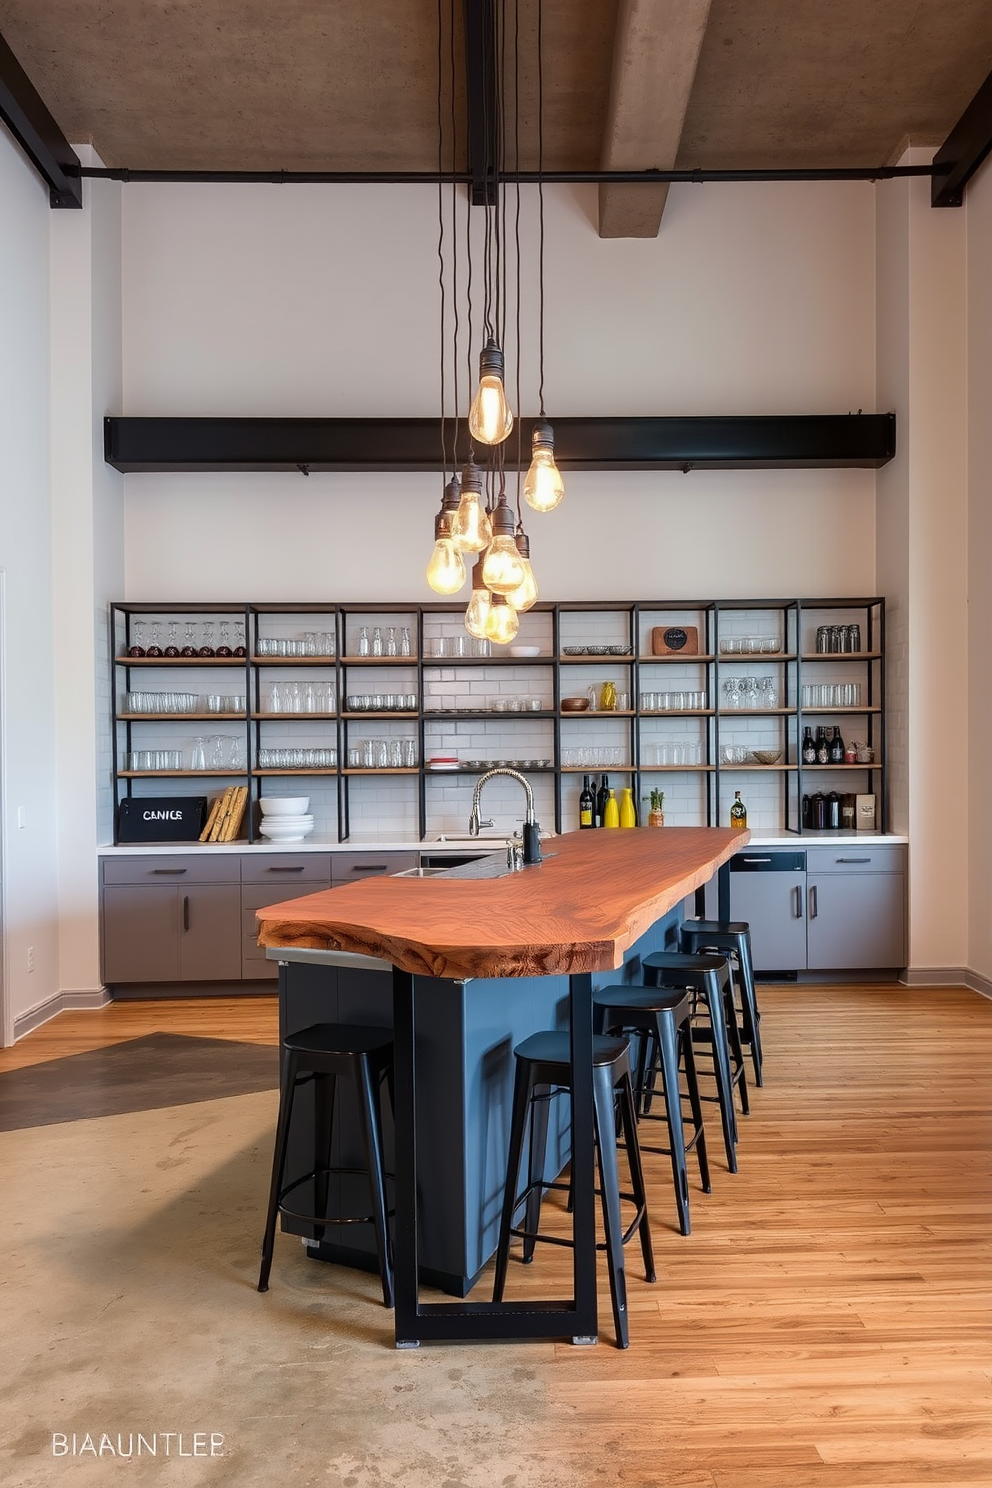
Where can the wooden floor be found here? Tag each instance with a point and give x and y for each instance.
(828, 1322)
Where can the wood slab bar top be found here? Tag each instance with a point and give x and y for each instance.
(577, 911)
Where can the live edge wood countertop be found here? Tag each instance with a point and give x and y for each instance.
(577, 911)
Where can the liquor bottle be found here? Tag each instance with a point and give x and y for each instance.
(628, 811)
(587, 807)
(738, 813)
(611, 811)
(822, 746)
(602, 798)
(836, 747)
(809, 747)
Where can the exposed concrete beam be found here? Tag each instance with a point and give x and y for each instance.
(655, 53)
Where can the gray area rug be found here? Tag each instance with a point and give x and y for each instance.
(142, 1074)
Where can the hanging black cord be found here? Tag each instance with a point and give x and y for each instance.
(540, 199)
(440, 225)
(516, 239)
(454, 231)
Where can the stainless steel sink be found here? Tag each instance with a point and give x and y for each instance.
(491, 866)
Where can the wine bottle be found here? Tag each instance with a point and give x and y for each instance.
(602, 798)
(809, 747)
(587, 809)
(836, 747)
(822, 746)
(738, 813)
(611, 811)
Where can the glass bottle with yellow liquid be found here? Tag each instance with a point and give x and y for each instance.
(611, 811)
(738, 813)
(628, 811)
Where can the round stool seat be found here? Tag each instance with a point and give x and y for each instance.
(338, 1039)
(552, 1046)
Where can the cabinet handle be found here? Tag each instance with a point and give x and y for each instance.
(297, 869)
(368, 868)
(185, 911)
(812, 902)
(852, 860)
(757, 860)
(799, 901)
(168, 870)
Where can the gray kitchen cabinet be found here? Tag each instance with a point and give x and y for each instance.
(840, 907)
(140, 939)
(170, 920)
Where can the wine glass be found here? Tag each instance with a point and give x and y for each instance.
(137, 648)
(224, 648)
(239, 638)
(155, 649)
(207, 649)
(189, 640)
(172, 649)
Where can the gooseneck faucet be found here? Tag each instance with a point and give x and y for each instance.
(532, 830)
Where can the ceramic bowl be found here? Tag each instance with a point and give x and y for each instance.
(284, 805)
(525, 650)
(574, 705)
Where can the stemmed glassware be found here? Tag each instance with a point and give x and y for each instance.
(137, 647)
(155, 649)
(224, 649)
(172, 649)
(189, 640)
(207, 649)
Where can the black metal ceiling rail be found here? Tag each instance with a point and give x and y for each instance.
(820, 441)
(482, 97)
(524, 178)
(25, 114)
(964, 149)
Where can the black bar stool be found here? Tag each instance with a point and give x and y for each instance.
(542, 1070)
(731, 938)
(664, 1021)
(321, 1054)
(708, 977)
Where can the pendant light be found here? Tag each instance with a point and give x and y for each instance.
(543, 485)
(502, 623)
(471, 528)
(446, 569)
(477, 614)
(525, 594)
(489, 418)
(502, 569)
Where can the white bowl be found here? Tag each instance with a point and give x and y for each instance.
(284, 805)
(525, 650)
(288, 834)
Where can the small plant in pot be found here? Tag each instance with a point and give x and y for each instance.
(656, 815)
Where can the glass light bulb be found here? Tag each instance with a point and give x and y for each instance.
(489, 418)
(446, 569)
(471, 528)
(543, 485)
(477, 613)
(502, 624)
(525, 593)
(502, 570)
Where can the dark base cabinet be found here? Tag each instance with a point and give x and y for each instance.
(184, 925)
(836, 907)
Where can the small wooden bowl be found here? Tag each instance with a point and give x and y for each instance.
(574, 705)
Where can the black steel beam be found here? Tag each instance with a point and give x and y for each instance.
(696, 177)
(24, 112)
(963, 150)
(796, 442)
(483, 99)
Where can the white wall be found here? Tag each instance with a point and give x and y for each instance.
(314, 301)
(30, 857)
(87, 500)
(922, 553)
(979, 210)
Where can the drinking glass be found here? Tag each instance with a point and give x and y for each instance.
(137, 648)
(189, 640)
(207, 646)
(224, 647)
(172, 649)
(198, 759)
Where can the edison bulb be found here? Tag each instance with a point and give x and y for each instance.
(471, 529)
(502, 624)
(503, 570)
(543, 485)
(477, 614)
(489, 418)
(525, 593)
(446, 569)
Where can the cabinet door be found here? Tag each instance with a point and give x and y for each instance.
(856, 919)
(210, 941)
(140, 933)
(773, 904)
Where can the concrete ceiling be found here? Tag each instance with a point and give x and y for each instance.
(629, 84)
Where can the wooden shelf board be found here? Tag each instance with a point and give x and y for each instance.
(410, 714)
(298, 770)
(324, 662)
(757, 712)
(599, 769)
(685, 658)
(390, 770)
(841, 656)
(377, 661)
(172, 774)
(302, 717)
(675, 769)
(677, 712)
(820, 712)
(183, 661)
(875, 766)
(181, 717)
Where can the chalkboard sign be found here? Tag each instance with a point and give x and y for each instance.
(161, 818)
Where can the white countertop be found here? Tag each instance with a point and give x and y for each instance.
(456, 846)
